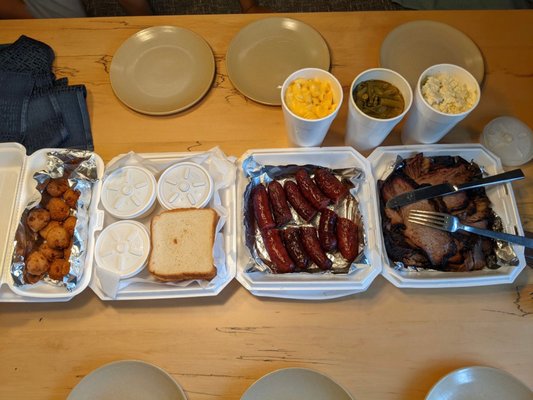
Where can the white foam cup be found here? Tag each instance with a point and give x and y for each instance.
(364, 132)
(425, 124)
(310, 132)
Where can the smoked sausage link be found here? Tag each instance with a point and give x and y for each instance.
(293, 244)
(261, 204)
(347, 237)
(298, 201)
(312, 247)
(330, 185)
(279, 257)
(311, 191)
(278, 200)
(327, 230)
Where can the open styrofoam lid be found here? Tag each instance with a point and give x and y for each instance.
(123, 247)
(12, 157)
(510, 139)
(185, 185)
(129, 192)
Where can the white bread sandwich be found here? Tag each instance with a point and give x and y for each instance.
(182, 244)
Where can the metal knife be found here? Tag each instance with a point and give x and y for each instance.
(429, 192)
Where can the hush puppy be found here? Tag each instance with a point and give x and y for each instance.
(70, 224)
(58, 269)
(59, 210)
(68, 251)
(52, 224)
(56, 187)
(31, 279)
(58, 238)
(37, 219)
(50, 253)
(37, 263)
(71, 197)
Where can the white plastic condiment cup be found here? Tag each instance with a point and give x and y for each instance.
(364, 132)
(425, 124)
(184, 185)
(510, 139)
(123, 247)
(310, 132)
(129, 192)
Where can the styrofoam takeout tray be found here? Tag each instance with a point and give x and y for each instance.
(502, 201)
(143, 286)
(17, 187)
(303, 285)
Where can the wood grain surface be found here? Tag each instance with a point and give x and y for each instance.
(385, 343)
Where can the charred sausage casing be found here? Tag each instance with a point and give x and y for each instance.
(298, 201)
(327, 230)
(293, 244)
(347, 237)
(278, 200)
(310, 190)
(261, 205)
(312, 247)
(281, 261)
(330, 185)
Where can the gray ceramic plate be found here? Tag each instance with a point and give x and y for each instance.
(413, 47)
(162, 70)
(264, 53)
(479, 383)
(128, 380)
(296, 383)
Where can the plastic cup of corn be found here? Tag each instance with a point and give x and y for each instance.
(379, 99)
(310, 99)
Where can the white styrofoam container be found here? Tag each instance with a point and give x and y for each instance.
(16, 188)
(503, 203)
(302, 285)
(142, 286)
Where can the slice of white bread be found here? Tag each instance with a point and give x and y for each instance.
(182, 244)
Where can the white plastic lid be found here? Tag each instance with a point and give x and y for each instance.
(510, 139)
(184, 185)
(129, 192)
(123, 247)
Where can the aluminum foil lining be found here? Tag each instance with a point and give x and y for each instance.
(504, 254)
(80, 169)
(258, 173)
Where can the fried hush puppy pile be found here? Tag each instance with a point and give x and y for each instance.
(53, 228)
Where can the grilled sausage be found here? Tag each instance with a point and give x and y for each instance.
(348, 238)
(278, 200)
(279, 257)
(261, 204)
(327, 230)
(293, 244)
(330, 185)
(311, 191)
(312, 247)
(298, 201)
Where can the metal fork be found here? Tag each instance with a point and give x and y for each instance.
(451, 223)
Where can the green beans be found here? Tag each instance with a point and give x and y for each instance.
(378, 99)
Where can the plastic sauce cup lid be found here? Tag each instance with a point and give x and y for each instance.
(184, 185)
(129, 192)
(510, 139)
(123, 247)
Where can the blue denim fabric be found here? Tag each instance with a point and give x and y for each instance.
(37, 110)
(15, 87)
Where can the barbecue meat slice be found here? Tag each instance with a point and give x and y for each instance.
(437, 245)
(443, 169)
(419, 246)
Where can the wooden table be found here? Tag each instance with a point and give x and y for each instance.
(385, 343)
